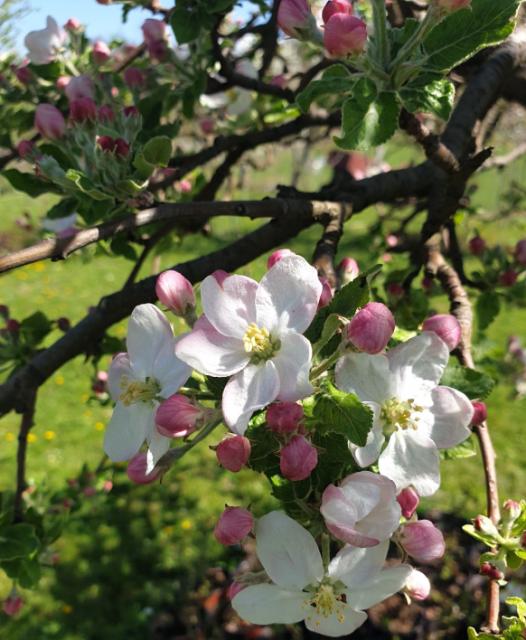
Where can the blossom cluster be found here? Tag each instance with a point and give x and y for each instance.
(279, 375)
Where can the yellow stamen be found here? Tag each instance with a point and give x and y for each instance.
(259, 343)
(138, 391)
(401, 414)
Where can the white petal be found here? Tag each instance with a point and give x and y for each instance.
(419, 362)
(365, 375)
(127, 430)
(230, 307)
(287, 551)
(411, 458)
(355, 566)
(253, 388)
(210, 352)
(336, 625)
(120, 366)
(148, 333)
(269, 604)
(293, 365)
(384, 519)
(171, 372)
(367, 455)
(288, 295)
(380, 587)
(449, 417)
(158, 445)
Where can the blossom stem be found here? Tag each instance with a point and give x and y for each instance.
(323, 366)
(178, 452)
(326, 549)
(380, 33)
(431, 18)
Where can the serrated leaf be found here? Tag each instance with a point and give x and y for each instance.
(62, 209)
(157, 151)
(264, 450)
(478, 535)
(436, 97)
(331, 86)
(35, 328)
(17, 541)
(475, 384)
(28, 183)
(343, 413)
(26, 571)
(330, 327)
(186, 25)
(85, 185)
(465, 449)
(487, 309)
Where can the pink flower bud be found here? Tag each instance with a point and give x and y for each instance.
(134, 77)
(491, 571)
(395, 289)
(12, 326)
(207, 125)
(73, 24)
(122, 148)
(175, 292)
(453, 5)
(284, 417)
(485, 525)
(183, 186)
(234, 524)
(512, 509)
(118, 146)
(100, 52)
(294, 17)
(277, 256)
(153, 30)
(89, 492)
(131, 112)
(12, 605)
(348, 270)
(427, 284)
(49, 122)
(408, 499)
(136, 470)
(520, 252)
(422, 541)
(298, 459)
(220, 276)
(508, 278)
(417, 585)
(326, 293)
(392, 240)
(105, 113)
(25, 148)
(446, 327)
(234, 589)
(23, 74)
(344, 35)
(178, 417)
(80, 87)
(62, 82)
(233, 452)
(480, 412)
(83, 109)
(63, 324)
(336, 6)
(371, 328)
(477, 246)
(279, 81)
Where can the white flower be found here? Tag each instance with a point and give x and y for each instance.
(138, 381)
(331, 602)
(57, 225)
(252, 332)
(44, 44)
(402, 389)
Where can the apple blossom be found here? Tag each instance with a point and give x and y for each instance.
(43, 45)
(417, 585)
(105, 113)
(118, 146)
(344, 35)
(12, 604)
(62, 82)
(284, 417)
(25, 148)
(80, 87)
(491, 571)
(178, 417)
(363, 510)
(175, 292)
(49, 122)
(234, 524)
(220, 275)
(233, 452)
(480, 412)
(446, 327)
(138, 381)
(100, 52)
(336, 6)
(348, 270)
(207, 125)
(73, 24)
(326, 293)
(137, 470)
(134, 77)
(511, 510)
(401, 388)
(331, 601)
(508, 278)
(277, 255)
(477, 245)
(23, 74)
(371, 328)
(298, 459)
(422, 541)
(252, 332)
(155, 37)
(395, 289)
(234, 589)
(520, 252)
(295, 18)
(408, 500)
(82, 109)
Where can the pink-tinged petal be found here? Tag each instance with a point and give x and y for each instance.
(120, 366)
(449, 417)
(158, 445)
(367, 455)
(351, 536)
(341, 515)
(169, 370)
(253, 388)
(127, 430)
(411, 459)
(269, 604)
(230, 306)
(148, 333)
(288, 295)
(379, 587)
(293, 366)
(354, 566)
(342, 623)
(367, 376)
(209, 352)
(288, 552)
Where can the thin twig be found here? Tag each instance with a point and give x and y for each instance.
(26, 423)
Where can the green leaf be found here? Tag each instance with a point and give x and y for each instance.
(513, 560)
(465, 449)
(185, 24)
(368, 119)
(487, 309)
(158, 151)
(85, 185)
(473, 383)
(35, 328)
(63, 208)
(343, 413)
(336, 81)
(50, 71)
(264, 449)
(121, 247)
(17, 541)
(478, 535)
(436, 96)
(26, 571)
(331, 326)
(461, 34)
(28, 183)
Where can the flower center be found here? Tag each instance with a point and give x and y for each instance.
(400, 414)
(259, 343)
(327, 601)
(138, 391)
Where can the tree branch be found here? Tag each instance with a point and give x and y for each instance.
(25, 427)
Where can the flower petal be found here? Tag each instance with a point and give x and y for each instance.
(158, 445)
(127, 430)
(210, 352)
(449, 417)
(355, 566)
(230, 306)
(411, 458)
(171, 372)
(149, 332)
(287, 551)
(253, 388)
(269, 604)
(293, 366)
(120, 366)
(288, 295)
(380, 587)
(367, 455)
(338, 624)
(365, 375)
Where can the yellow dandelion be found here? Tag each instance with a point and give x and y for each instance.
(88, 413)
(84, 397)
(10, 437)
(186, 524)
(99, 426)
(49, 435)
(39, 266)
(32, 438)
(59, 380)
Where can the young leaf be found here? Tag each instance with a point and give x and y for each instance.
(157, 151)
(17, 541)
(28, 183)
(487, 309)
(473, 383)
(435, 96)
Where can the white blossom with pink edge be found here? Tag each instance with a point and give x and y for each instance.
(138, 381)
(252, 332)
(331, 602)
(401, 387)
(43, 45)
